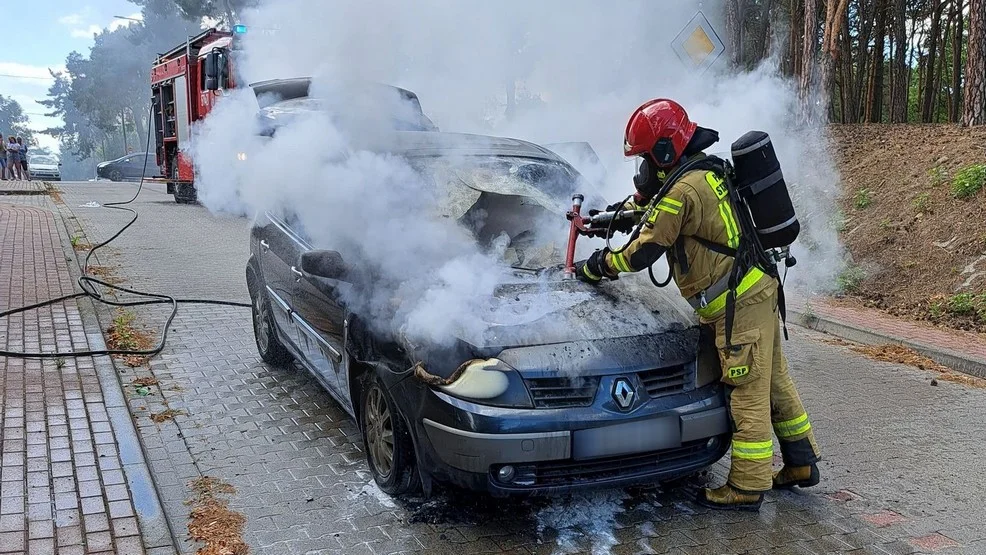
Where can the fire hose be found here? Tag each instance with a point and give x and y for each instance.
(599, 224)
(88, 284)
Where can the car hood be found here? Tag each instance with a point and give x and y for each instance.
(577, 318)
(47, 167)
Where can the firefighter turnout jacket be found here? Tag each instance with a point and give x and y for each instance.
(760, 393)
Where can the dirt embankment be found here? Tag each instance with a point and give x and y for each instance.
(914, 220)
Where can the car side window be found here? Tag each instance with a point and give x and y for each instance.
(293, 222)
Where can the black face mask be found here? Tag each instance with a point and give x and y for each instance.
(649, 179)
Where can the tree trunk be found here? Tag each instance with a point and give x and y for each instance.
(975, 66)
(834, 13)
(922, 62)
(734, 32)
(860, 82)
(929, 79)
(959, 19)
(901, 69)
(809, 52)
(795, 41)
(936, 101)
(874, 107)
(761, 41)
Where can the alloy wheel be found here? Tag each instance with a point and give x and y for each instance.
(260, 328)
(379, 432)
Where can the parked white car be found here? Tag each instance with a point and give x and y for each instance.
(44, 166)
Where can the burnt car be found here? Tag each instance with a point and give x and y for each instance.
(569, 385)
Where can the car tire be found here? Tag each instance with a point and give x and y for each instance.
(271, 350)
(389, 449)
(116, 175)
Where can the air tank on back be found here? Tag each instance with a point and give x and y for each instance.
(760, 182)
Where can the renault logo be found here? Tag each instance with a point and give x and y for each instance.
(623, 393)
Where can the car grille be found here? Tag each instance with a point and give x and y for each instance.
(569, 472)
(662, 382)
(555, 393)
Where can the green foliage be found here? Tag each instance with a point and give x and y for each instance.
(969, 180)
(885, 224)
(850, 279)
(922, 203)
(963, 304)
(862, 199)
(13, 120)
(938, 175)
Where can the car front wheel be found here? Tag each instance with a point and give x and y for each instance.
(116, 175)
(389, 449)
(268, 344)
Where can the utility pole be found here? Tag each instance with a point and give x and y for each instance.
(123, 119)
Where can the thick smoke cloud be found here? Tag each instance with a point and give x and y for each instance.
(573, 71)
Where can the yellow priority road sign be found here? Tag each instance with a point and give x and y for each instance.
(697, 44)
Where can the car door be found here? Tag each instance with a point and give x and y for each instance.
(321, 321)
(278, 251)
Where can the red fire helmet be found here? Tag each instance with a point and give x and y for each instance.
(661, 128)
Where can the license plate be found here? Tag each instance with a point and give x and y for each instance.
(640, 436)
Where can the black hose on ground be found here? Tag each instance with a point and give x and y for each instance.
(88, 285)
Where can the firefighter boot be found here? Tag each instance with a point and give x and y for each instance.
(729, 498)
(801, 476)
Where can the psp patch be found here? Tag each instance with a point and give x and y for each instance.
(738, 372)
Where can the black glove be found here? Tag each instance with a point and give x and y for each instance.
(622, 225)
(593, 270)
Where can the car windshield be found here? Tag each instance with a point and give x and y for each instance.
(43, 159)
(514, 205)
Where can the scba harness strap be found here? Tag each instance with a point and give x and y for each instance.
(750, 261)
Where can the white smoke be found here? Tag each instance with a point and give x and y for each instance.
(546, 71)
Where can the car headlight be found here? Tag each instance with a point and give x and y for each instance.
(490, 382)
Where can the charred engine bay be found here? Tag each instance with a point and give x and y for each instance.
(566, 327)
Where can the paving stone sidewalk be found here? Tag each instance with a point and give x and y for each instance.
(72, 478)
(964, 351)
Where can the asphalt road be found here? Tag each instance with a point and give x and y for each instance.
(902, 468)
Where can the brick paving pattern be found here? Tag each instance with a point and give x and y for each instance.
(956, 341)
(9, 187)
(892, 444)
(62, 488)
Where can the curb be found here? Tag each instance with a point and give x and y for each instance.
(962, 363)
(156, 531)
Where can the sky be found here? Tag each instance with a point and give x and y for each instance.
(40, 36)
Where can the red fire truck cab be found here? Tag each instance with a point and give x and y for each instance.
(186, 82)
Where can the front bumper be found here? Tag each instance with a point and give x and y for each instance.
(42, 174)
(561, 449)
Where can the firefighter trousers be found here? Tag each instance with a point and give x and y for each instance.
(761, 394)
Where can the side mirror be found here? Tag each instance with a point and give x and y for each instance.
(212, 71)
(323, 264)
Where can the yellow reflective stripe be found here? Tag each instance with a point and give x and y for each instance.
(620, 261)
(732, 231)
(793, 427)
(719, 303)
(718, 185)
(668, 209)
(672, 202)
(753, 450)
(590, 275)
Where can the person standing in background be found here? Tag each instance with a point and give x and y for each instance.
(3, 159)
(24, 172)
(13, 158)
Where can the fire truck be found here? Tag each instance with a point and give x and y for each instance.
(186, 82)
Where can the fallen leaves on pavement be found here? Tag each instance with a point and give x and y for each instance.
(169, 414)
(212, 522)
(903, 355)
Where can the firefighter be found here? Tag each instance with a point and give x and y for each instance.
(686, 225)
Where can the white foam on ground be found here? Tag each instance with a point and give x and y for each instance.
(373, 491)
(583, 518)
